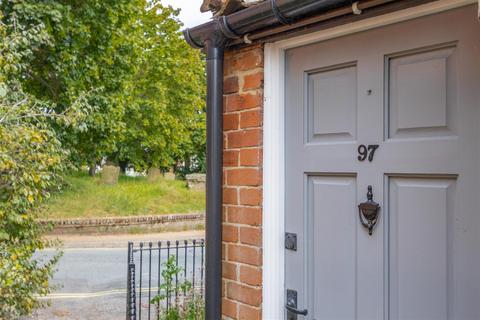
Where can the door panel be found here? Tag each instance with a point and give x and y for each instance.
(413, 88)
(421, 92)
(421, 221)
(332, 104)
(331, 245)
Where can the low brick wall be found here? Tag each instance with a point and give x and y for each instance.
(171, 222)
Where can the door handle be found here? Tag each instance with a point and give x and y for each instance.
(303, 312)
(368, 212)
(291, 305)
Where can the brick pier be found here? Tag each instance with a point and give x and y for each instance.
(242, 184)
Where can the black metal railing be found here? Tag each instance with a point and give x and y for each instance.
(158, 274)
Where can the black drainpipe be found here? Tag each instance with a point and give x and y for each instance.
(212, 37)
(213, 224)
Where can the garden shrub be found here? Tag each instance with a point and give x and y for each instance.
(31, 163)
(188, 305)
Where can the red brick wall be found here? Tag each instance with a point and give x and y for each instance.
(242, 184)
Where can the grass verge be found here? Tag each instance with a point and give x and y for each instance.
(86, 197)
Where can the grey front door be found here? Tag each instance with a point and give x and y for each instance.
(413, 89)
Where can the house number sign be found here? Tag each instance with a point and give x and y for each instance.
(365, 152)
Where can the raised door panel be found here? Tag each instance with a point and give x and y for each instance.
(331, 228)
(421, 92)
(421, 220)
(332, 103)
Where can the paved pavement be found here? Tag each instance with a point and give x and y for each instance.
(91, 276)
(121, 240)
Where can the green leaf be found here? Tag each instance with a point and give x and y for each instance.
(3, 90)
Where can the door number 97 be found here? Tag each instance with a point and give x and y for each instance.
(367, 151)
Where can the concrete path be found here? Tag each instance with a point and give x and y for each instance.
(91, 276)
(121, 240)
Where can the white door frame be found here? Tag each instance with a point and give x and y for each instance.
(273, 140)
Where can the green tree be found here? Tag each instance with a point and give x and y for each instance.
(92, 51)
(127, 58)
(164, 106)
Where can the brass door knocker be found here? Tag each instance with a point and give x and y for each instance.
(368, 212)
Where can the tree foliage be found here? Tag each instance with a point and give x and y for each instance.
(129, 61)
(93, 50)
(165, 109)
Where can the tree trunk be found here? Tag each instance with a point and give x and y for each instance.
(92, 169)
(123, 166)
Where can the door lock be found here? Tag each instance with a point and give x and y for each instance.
(291, 241)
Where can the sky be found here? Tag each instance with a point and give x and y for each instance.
(190, 13)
